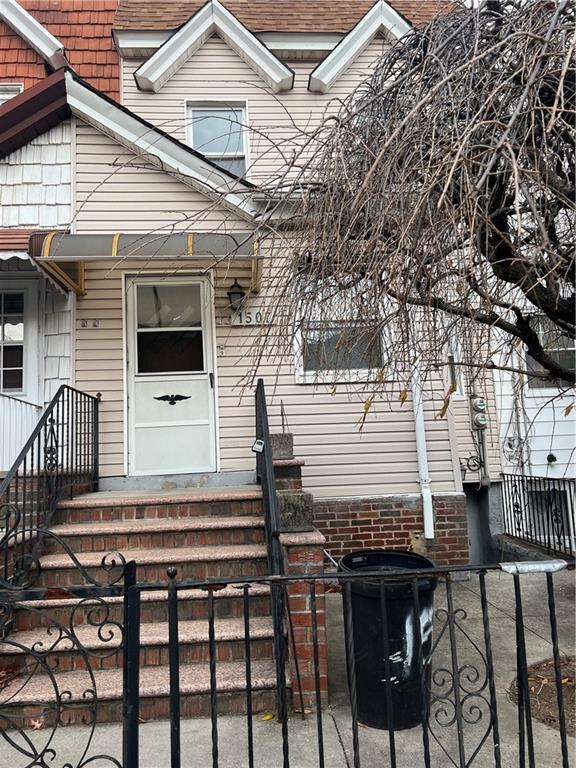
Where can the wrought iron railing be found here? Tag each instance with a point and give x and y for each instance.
(540, 511)
(59, 459)
(265, 474)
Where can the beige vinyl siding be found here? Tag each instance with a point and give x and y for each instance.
(118, 192)
(340, 460)
(216, 72)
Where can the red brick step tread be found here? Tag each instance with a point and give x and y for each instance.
(157, 498)
(150, 634)
(164, 556)
(154, 682)
(155, 525)
(256, 590)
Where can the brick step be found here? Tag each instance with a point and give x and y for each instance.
(190, 562)
(192, 605)
(103, 644)
(110, 536)
(21, 702)
(108, 505)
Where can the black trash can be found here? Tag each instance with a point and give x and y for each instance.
(406, 688)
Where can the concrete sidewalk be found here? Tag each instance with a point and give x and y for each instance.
(70, 743)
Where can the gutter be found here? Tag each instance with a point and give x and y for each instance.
(422, 453)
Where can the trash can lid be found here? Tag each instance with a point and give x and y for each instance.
(386, 560)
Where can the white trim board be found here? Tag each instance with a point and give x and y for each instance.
(212, 18)
(380, 18)
(32, 32)
(143, 43)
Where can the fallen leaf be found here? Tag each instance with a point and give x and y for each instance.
(268, 717)
(36, 725)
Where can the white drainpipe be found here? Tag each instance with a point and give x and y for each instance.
(422, 452)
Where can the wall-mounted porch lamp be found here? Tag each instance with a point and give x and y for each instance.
(236, 295)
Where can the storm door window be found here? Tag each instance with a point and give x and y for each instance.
(11, 341)
(219, 133)
(170, 337)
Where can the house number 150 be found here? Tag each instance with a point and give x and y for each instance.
(247, 317)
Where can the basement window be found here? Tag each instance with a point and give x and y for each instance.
(219, 133)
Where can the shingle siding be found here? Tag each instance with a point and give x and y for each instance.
(36, 182)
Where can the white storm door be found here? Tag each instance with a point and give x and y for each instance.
(171, 403)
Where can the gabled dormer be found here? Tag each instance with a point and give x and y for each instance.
(213, 18)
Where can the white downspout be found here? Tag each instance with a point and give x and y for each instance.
(422, 453)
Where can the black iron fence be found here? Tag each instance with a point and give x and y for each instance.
(433, 694)
(59, 458)
(540, 511)
(454, 687)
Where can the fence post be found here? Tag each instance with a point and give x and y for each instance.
(131, 670)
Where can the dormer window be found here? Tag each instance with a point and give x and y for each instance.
(219, 132)
(9, 90)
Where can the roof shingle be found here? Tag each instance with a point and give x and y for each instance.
(84, 27)
(335, 16)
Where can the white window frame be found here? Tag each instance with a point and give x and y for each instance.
(32, 338)
(336, 376)
(534, 385)
(10, 90)
(219, 104)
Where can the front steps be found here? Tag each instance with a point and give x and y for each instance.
(204, 534)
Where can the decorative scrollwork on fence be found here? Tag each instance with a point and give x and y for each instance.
(458, 689)
(48, 666)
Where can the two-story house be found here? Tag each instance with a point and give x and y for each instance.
(137, 150)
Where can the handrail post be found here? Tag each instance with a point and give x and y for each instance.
(265, 471)
(96, 442)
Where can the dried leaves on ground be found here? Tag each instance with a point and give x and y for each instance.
(543, 695)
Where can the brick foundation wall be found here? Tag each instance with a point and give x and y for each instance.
(395, 522)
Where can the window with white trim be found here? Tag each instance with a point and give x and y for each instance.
(11, 342)
(559, 346)
(219, 132)
(9, 90)
(334, 346)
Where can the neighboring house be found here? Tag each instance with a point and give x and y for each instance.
(140, 180)
(538, 435)
(36, 189)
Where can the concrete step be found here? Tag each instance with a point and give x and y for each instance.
(60, 570)
(177, 504)
(21, 701)
(114, 535)
(102, 644)
(192, 605)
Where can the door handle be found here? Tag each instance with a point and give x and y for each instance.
(211, 375)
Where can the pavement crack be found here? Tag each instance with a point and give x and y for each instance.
(340, 739)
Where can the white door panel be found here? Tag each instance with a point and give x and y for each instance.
(171, 402)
